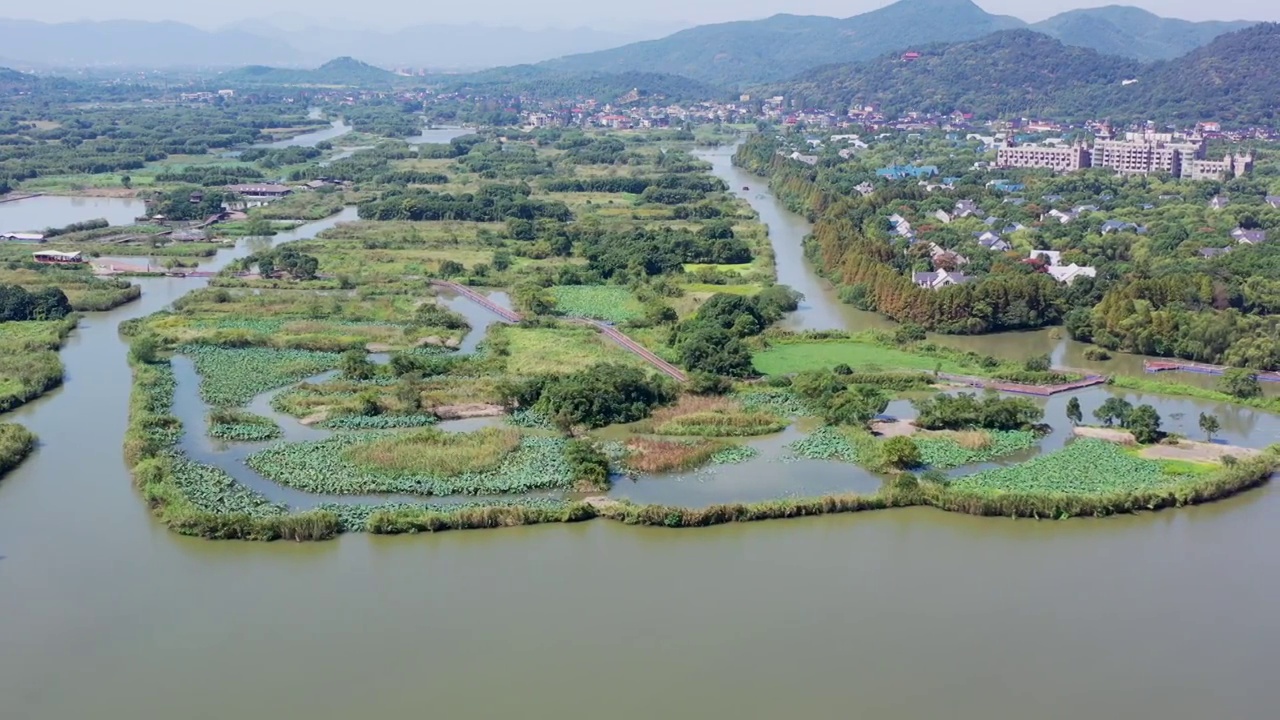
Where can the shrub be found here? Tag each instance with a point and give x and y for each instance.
(901, 452)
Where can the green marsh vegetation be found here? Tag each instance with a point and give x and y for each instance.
(16, 443)
(241, 426)
(29, 366)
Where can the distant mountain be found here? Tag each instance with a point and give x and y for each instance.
(1010, 73)
(1021, 73)
(1133, 32)
(135, 44)
(343, 71)
(751, 52)
(14, 81)
(440, 46)
(756, 51)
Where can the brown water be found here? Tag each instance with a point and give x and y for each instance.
(906, 614)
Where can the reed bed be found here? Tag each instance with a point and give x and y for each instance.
(16, 443)
(438, 453)
(701, 416)
(653, 455)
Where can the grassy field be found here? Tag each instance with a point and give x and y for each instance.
(29, 365)
(558, 351)
(601, 302)
(784, 359)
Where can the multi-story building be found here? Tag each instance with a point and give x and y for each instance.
(1059, 158)
(1135, 154)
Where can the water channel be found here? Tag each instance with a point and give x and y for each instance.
(903, 615)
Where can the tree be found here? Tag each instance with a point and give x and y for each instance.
(1074, 413)
(716, 351)
(901, 452)
(1241, 383)
(356, 366)
(1039, 363)
(145, 348)
(126, 181)
(1210, 425)
(1144, 423)
(1113, 411)
(856, 405)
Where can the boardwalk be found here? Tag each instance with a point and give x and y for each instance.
(1155, 366)
(605, 329)
(1021, 389)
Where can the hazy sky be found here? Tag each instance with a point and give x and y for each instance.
(571, 13)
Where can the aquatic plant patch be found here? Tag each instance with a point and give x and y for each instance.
(734, 454)
(378, 422)
(213, 490)
(234, 376)
(945, 451)
(776, 401)
(611, 303)
(1085, 467)
(241, 426)
(825, 443)
(325, 467)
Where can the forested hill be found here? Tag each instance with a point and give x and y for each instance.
(1235, 78)
(1133, 32)
(1022, 73)
(748, 52)
(1012, 73)
(534, 81)
(341, 71)
(752, 52)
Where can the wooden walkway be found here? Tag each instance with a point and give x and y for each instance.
(1155, 366)
(1022, 389)
(511, 316)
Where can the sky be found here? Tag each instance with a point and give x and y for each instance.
(638, 16)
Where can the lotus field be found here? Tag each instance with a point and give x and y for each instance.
(610, 303)
(378, 422)
(944, 452)
(241, 426)
(234, 376)
(213, 490)
(1085, 467)
(332, 467)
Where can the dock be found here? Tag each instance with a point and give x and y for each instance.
(1156, 366)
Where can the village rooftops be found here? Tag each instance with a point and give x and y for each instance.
(261, 190)
(22, 237)
(1214, 252)
(940, 279)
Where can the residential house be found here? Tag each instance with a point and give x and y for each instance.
(1219, 202)
(943, 216)
(865, 189)
(1274, 201)
(1052, 198)
(1070, 273)
(1111, 226)
(261, 190)
(1062, 216)
(1015, 201)
(902, 172)
(965, 208)
(993, 242)
(940, 279)
(1249, 237)
(1013, 228)
(1210, 253)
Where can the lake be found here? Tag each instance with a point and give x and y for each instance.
(34, 214)
(903, 615)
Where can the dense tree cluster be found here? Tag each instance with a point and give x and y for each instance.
(46, 303)
(711, 340)
(188, 203)
(968, 411)
(643, 252)
(605, 394)
(491, 203)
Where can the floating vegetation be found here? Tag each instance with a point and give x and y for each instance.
(825, 443)
(233, 376)
(530, 419)
(378, 422)
(213, 490)
(734, 454)
(327, 467)
(954, 450)
(779, 402)
(241, 426)
(611, 303)
(1085, 467)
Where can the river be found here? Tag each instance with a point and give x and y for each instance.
(903, 615)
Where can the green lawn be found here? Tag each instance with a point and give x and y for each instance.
(796, 357)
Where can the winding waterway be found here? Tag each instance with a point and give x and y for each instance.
(904, 615)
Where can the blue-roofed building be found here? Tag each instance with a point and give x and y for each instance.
(902, 172)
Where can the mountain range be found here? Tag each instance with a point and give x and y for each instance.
(339, 71)
(743, 53)
(1023, 73)
(726, 54)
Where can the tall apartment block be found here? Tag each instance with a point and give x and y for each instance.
(1136, 154)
